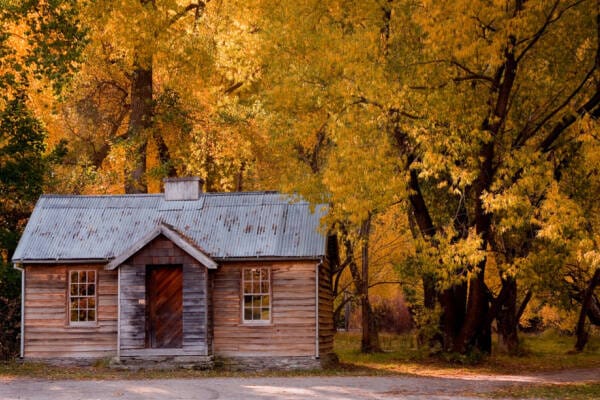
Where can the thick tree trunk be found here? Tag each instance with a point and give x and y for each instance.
(582, 333)
(476, 332)
(429, 291)
(453, 301)
(140, 121)
(360, 277)
(594, 311)
(370, 334)
(420, 214)
(507, 316)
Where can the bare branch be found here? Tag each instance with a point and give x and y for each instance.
(386, 283)
(524, 136)
(471, 74)
(198, 8)
(549, 21)
(233, 87)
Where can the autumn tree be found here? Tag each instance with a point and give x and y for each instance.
(161, 92)
(38, 41)
(322, 60)
(471, 110)
(495, 135)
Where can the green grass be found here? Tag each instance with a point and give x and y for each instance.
(567, 392)
(12, 370)
(548, 351)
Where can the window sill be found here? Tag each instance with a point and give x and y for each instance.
(88, 325)
(256, 323)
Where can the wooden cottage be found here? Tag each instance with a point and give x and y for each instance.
(184, 275)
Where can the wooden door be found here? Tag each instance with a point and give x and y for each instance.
(164, 306)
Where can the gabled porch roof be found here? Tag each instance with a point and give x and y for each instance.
(173, 235)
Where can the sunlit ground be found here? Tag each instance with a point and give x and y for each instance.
(541, 353)
(548, 351)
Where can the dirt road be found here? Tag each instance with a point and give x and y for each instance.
(297, 388)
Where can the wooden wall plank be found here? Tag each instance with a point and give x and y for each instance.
(326, 327)
(292, 329)
(47, 330)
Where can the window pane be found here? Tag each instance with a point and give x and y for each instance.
(265, 301)
(74, 289)
(247, 287)
(247, 274)
(265, 314)
(256, 287)
(91, 303)
(74, 315)
(91, 315)
(256, 301)
(91, 289)
(81, 315)
(82, 278)
(264, 287)
(248, 314)
(91, 276)
(82, 304)
(73, 276)
(81, 289)
(256, 274)
(256, 314)
(247, 301)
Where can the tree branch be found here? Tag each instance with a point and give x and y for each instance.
(540, 31)
(386, 283)
(198, 8)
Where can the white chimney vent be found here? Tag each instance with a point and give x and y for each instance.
(187, 188)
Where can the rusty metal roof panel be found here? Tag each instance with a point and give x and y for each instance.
(225, 225)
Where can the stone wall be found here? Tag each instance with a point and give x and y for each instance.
(274, 363)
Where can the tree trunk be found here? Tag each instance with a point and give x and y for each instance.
(140, 121)
(164, 156)
(370, 334)
(360, 277)
(476, 332)
(429, 291)
(507, 316)
(594, 311)
(582, 333)
(453, 301)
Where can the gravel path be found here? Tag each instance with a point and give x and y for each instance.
(298, 388)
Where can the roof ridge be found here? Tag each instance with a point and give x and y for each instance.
(58, 196)
(62, 196)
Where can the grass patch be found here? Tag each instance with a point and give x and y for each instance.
(544, 352)
(101, 370)
(566, 392)
(541, 353)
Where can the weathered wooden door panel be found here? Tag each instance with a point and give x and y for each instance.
(164, 306)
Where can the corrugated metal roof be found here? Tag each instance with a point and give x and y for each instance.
(225, 225)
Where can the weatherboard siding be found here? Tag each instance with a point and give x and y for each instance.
(291, 331)
(47, 330)
(326, 328)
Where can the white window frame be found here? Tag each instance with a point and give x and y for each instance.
(261, 293)
(72, 298)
